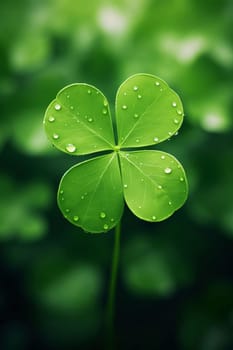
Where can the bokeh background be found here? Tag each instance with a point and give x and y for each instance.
(175, 288)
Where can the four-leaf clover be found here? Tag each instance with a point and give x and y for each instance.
(153, 183)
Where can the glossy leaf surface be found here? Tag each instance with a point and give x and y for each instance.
(147, 111)
(154, 184)
(78, 120)
(90, 194)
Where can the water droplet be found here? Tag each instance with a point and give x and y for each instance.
(179, 112)
(137, 140)
(135, 88)
(176, 133)
(170, 203)
(156, 139)
(125, 185)
(139, 207)
(67, 96)
(61, 192)
(170, 133)
(57, 107)
(111, 219)
(89, 91)
(181, 179)
(105, 103)
(104, 111)
(157, 83)
(139, 97)
(167, 170)
(105, 226)
(160, 187)
(90, 120)
(160, 89)
(153, 217)
(51, 119)
(62, 198)
(55, 136)
(174, 104)
(142, 180)
(176, 121)
(136, 115)
(102, 215)
(125, 93)
(124, 107)
(82, 197)
(127, 155)
(97, 92)
(70, 148)
(76, 218)
(67, 210)
(162, 157)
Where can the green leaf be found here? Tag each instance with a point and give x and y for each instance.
(90, 194)
(78, 121)
(147, 111)
(155, 184)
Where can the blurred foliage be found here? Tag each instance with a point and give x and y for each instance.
(175, 286)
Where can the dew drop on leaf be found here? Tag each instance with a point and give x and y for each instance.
(156, 139)
(162, 157)
(167, 170)
(181, 179)
(102, 215)
(90, 120)
(71, 107)
(159, 187)
(70, 148)
(76, 218)
(174, 104)
(136, 115)
(104, 111)
(135, 88)
(89, 91)
(51, 119)
(57, 107)
(124, 107)
(170, 203)
(55, 136)
(139, 97)
(125, 185)
(157, 83)
(153, 217)
(176, 121)
(105, 226)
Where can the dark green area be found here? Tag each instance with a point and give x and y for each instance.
(175, 286)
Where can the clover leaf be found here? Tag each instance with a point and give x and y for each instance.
(153, 183)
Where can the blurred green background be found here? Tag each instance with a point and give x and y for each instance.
(175, 287)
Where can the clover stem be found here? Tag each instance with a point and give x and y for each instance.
(112, 289)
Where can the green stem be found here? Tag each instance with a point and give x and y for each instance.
(112, 289)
